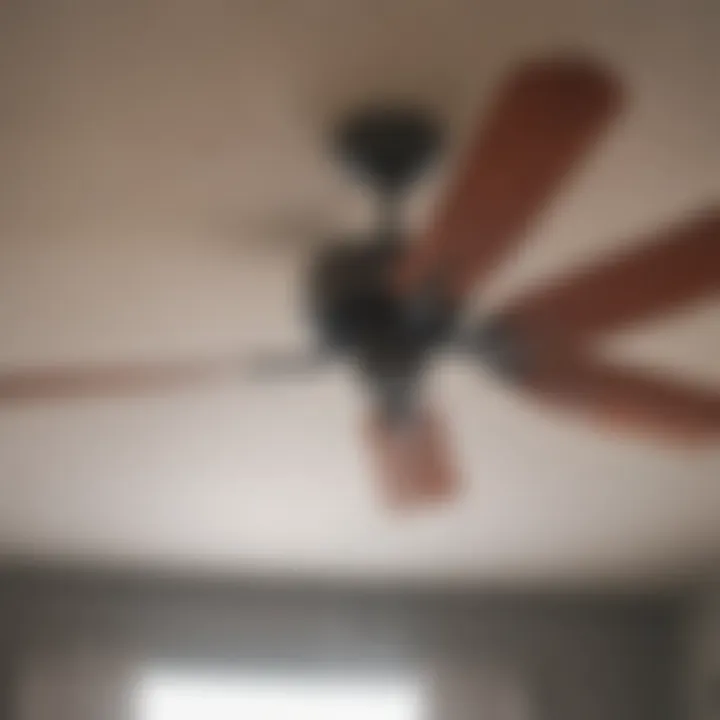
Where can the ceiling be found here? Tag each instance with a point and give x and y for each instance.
(162, 171)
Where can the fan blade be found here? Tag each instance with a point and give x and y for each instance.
(412, 458)
(625, 399)
(114, 381)
(110, 381)
(546, 119)
(677, 266)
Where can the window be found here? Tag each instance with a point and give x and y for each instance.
(173, 696)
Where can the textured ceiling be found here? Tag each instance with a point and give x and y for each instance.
(162, 169)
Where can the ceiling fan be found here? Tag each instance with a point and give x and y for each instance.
(388, 305)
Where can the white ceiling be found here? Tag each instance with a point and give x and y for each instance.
(149, 149)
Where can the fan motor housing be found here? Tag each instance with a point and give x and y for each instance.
(358, 313)
(355, 307)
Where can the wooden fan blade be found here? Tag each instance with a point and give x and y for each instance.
(111, 381)
(545, 120)
(627, 400)
(676, 266)
(412, 458)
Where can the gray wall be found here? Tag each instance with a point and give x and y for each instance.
(579, 657)
(703, 656)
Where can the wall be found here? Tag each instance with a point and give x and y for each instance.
(703, 656)
(73, 643)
